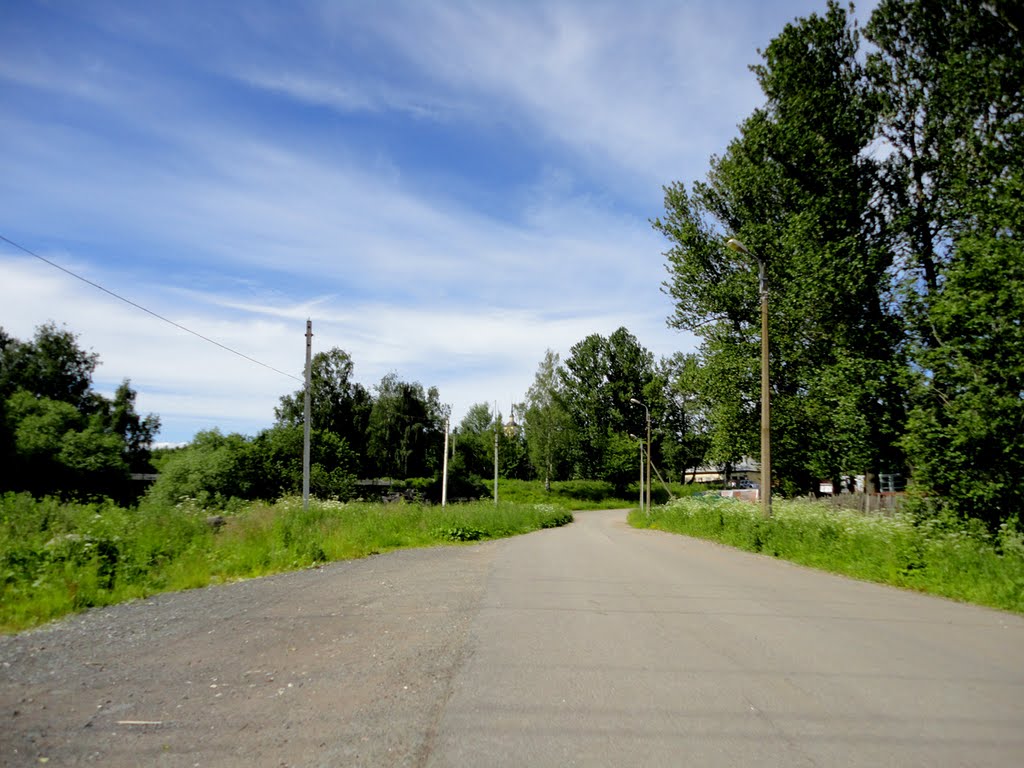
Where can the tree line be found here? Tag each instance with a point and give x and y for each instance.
(881, 183)
(59, 436)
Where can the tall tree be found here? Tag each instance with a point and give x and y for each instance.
(546, 422)
(59, 436)
(796, 188)
(474, 442)
(406, 429)
(597, 382)
(685, 425)
(953, 79)
(338, 404)
(52, 365)
(136, 431)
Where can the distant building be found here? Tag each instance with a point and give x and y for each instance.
(746, 470)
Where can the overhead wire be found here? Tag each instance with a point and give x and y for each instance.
(145, 309)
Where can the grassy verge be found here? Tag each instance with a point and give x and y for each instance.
(58, 558)
(567, 494)
(940, 557)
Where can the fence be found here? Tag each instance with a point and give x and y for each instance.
(885, 503)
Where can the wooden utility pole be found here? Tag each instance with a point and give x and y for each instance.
(766, 429)
(765, 491)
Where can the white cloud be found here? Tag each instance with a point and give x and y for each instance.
(170, 187)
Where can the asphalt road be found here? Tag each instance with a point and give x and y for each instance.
(604, 645)
(590, 645)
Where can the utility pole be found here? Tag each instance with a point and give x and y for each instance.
(497, 428)
(641, 442)
(444, 464)
(766, 432)
(649, 483)
(306, 415)
(765, 491)
(647, 411)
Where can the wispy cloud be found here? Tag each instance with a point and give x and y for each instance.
(447, 189)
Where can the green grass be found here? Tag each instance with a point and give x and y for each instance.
(941, 557)
(57, 558)
(567, 494)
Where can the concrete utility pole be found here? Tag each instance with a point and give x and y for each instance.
(444, 465)
(497, 429)
(306, 415)
(765, 491)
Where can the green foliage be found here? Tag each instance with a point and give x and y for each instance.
(894, 278)
(406, 429)
(51, 366)
(599, 380)
(566, 494)
(953, 75)
(547, 424)
(214, 469)
(219, 471)
(58, 436)
(938, 554)
(58, 557)
(797, 188)
(337, 404)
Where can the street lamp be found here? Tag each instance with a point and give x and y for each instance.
(766, 448)
(641, 442)
(648, 412)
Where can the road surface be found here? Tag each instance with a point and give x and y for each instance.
(590, 645)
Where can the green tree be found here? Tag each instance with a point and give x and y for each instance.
(684, 420)
(58, 450)
(52, 365)
(797, 188)
(333, 464)
(338, 405)
(212, 470)
(546, 424)
(597, 383)
(406, 429)
(59, 436)
(952, 76)
(136, 432)
(473, 449)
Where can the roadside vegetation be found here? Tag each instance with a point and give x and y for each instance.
(940, 555)
(58, 557)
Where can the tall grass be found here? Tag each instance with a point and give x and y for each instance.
(567, 494)
(57, 558)
(940, 556)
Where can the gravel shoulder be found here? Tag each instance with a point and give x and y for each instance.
(346, 664)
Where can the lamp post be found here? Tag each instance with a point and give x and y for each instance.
(648, 412)
(766, 434)
(641, 443)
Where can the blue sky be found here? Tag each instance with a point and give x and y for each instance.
(447, 189)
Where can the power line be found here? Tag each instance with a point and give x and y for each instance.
(144, 309)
